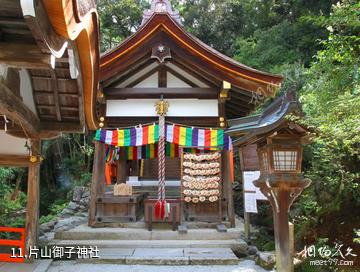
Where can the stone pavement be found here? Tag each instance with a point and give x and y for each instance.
(164, 256)
(37, 266)
(243, 266)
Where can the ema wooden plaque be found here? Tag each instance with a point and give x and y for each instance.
(122, 189)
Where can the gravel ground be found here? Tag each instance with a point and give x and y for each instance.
(244, 266)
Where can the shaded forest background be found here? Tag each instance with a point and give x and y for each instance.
(314, 44)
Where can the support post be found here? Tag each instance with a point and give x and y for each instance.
(246, 224)
(135, 168)
(281, 199)
(122, 169)
(33, 198)
(228, 187)
(248, 162)
(98, 180)
(292, 244)
(282, 233)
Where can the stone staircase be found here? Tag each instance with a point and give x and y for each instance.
(205, 246)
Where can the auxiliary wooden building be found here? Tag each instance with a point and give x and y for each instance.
(49, 61)
(201, 89)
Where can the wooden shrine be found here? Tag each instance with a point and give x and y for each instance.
(49, 61)
(53, 80)
(202, 90)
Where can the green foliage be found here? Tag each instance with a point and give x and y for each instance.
(12, 202)
(215, 22)
(331, 101)
(264, 241)
(357, 233)
(55, 209)
(68, 163)
(118, 20)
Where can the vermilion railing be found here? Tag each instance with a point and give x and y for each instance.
(17, 244)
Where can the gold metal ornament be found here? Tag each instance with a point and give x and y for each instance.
(224, 94)
(102, 119)
(33, 159)
(162, 107)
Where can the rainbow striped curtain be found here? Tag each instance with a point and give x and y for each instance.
(150, 151)
(136, 136)
(197, 137)
(182, 136)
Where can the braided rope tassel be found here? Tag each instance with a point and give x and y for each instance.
(160, 206)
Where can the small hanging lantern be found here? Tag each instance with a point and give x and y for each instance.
(280, 157)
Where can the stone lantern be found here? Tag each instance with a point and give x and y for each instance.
(279, 147)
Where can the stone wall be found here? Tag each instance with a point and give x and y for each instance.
(74, 214)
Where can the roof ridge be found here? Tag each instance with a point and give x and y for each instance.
(161, 6)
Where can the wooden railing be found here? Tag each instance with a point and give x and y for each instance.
(16, 244)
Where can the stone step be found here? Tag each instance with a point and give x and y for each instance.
(164, 256)
(84, 232)
(235, 244)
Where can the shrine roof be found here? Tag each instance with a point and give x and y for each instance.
(164, 25)
(245, 130)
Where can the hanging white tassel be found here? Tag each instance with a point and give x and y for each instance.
(6, 121)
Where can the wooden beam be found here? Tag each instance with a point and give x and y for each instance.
(72, 95)
(24, 56)
(33, 199)
(66, 127)
(14, 160)
(181, 77)
(41, 29)
(49, 130)
(243, 93)
(12, 21)
(11, 79)
(238, 96)
(10, 8)
(55, 88)
(126, 93)
(162, 80)
(211, 81)
(117, 122)
(240, 104)
(143, 77)
(134, 69)
(13, 107)
(237, 108)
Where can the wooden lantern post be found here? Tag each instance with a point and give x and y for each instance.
(281, 182)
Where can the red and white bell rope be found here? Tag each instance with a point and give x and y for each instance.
(162, 208)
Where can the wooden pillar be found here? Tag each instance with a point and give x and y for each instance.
(135, 168)
(98, 180)
(122, 167)
(33, 197)
(281, 197)
(147, 167)
(282, 233)
(227, 183)
(248, 162)
(292, 244)
(246, 224)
